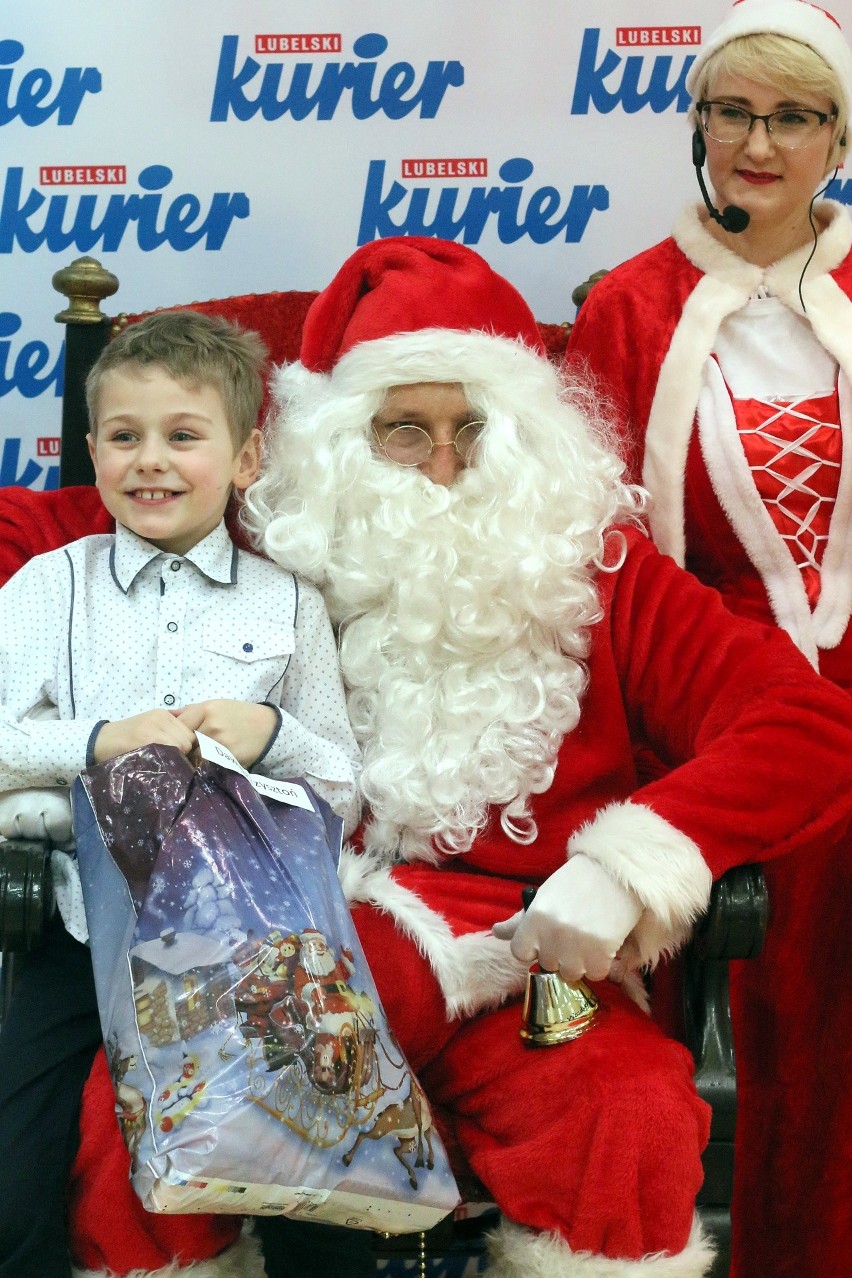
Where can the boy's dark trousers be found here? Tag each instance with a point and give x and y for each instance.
(47, 1044)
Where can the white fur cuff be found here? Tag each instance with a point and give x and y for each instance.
(520, 1253)
(659, 863)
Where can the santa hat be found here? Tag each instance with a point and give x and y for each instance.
(797, 19)
(411, 309)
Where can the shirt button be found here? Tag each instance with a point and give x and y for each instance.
(172, 626)
(175, 565)
(248, 647)
(169, 699)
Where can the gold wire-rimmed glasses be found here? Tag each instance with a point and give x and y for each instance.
(791, 127)
(410, 445)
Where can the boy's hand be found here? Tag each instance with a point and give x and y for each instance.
(154, 727)
(244, 727)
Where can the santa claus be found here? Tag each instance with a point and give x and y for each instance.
(320, 979)
(506, 629)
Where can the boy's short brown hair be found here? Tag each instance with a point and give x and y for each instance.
(196, 349)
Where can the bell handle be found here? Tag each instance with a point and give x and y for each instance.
(527, 898)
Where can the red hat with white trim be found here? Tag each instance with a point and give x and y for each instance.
(797, 19)
(410, 285)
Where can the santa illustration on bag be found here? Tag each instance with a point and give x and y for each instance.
(321, 979)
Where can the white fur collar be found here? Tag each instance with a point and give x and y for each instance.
(782, 278)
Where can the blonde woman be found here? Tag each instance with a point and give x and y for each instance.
(727, 351)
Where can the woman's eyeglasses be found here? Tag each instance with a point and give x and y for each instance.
(409, 445)
(791, 127)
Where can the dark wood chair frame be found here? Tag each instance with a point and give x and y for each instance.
(733, 927)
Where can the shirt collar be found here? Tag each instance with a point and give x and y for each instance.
(215, 556)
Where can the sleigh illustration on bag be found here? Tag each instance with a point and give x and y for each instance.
(318, 1061)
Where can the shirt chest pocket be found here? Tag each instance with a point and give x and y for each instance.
(252, 642)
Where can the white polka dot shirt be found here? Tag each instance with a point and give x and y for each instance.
(110, 626)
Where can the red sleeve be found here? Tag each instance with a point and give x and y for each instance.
(32, 523)
(761, 745)
(621, 336)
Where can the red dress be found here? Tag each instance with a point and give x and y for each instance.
(646, 334)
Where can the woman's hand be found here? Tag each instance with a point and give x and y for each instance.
(243, 727)
(152, 727)
(576, 924)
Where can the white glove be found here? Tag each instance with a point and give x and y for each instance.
(577, 923)
(36, 814)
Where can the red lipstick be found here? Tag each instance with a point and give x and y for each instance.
(757, 179)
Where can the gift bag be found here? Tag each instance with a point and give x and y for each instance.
(253, 1066)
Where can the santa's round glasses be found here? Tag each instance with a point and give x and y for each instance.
(409, 445)
(791, 127)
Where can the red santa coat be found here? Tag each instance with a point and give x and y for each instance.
(645, 334)
(730, 707)
(668, 664)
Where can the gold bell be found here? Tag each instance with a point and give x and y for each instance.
(555, 1011)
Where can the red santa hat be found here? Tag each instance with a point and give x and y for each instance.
(412, 308)
(797, 19)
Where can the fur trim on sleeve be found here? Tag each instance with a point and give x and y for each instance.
(244, 1259)
(656, 861)
(519, 1253)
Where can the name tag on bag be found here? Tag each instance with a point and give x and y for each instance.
(283, 791)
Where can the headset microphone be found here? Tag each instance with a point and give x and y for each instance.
(732, 218)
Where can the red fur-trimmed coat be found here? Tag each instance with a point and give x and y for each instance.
(644, 335)
(668, 665)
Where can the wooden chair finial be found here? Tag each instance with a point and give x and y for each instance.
(85, 283)
(581, 292)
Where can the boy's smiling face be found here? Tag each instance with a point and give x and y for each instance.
(164, 456)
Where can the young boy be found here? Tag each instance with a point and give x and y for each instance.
(146, 636)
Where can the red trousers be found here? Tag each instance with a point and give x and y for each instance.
(599, 1139)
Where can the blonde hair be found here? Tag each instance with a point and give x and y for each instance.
(192, 348)
(783, 63)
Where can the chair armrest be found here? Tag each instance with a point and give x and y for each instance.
(26, 894)
(733, 928)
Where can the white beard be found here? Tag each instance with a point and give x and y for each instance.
(317, 964)
(464, 612)
(464, 672)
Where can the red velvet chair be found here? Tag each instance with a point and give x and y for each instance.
(31, 523)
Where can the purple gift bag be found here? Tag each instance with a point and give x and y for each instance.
(255, 1071)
